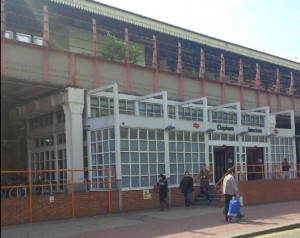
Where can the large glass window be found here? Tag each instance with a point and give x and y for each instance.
(191, 114)
(103, 156)
(253, 120)
(142, 156)
(101, 106)
(187, 152)
(150, 109)
(224, 117)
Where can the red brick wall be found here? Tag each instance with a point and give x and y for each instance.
(133, 200)
(16, 210)
(267, 191)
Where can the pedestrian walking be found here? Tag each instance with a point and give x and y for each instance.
(285, 166)
(187, 187)
(163, 190)
(230, 189)
(204, 176)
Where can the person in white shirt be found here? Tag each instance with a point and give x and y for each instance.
(230, 189)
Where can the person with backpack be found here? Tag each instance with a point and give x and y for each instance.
(163, 190)
(187, 187)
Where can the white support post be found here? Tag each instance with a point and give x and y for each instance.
(73, 108)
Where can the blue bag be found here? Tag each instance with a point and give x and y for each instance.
(234, 207)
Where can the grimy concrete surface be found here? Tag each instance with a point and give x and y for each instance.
(198, 221)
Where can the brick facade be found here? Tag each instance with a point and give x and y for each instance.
(16, 210)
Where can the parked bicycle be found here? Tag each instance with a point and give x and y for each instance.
(19, 189)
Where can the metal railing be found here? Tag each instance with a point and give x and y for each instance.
(26, 184)
(260, 172)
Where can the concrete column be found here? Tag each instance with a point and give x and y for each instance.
(73, 108)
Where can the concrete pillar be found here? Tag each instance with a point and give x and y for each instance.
(73, 108)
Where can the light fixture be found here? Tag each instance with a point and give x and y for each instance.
(210, 130)
(170, 127)
(242, 133)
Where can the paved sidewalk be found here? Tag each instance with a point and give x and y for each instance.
(199, 221)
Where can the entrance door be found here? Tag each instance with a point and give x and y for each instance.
(255, 161)
(223, 160)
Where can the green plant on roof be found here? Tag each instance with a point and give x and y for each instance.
(114, 49)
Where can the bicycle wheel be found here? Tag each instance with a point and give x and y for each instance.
(18, 192)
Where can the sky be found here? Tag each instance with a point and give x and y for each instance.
(270, 26)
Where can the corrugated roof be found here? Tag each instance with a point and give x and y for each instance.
(145, 22)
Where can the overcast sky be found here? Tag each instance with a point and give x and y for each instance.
(271, 26)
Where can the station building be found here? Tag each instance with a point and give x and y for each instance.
(172, 100)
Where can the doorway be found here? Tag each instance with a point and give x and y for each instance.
(255, 162)
(223, 160)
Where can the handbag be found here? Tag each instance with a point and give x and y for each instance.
(156, 188)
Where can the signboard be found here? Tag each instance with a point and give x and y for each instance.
(51, 199)
(146, 194)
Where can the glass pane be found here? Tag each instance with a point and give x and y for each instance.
(187, 136)
(144, 157)
(201, 136)
(151, 134)
(133, 133)
(179, 135)
(124, 145)
(135, 169)
(105, 134)
(173, 168)
(152, 145)
(153, 169)
(144, 169)
(133, 145)
(125, 169)
(194, 147)
(125, 157)
(135, 182)
(188, 158)
(172, 146)
(172, 135)
(143, 134)
(187, 147)
(143, 146)
(152, 157)
(161, 157)
(180, 157)
(172, 157)
(112, 145)
(202, 147)
(179, 146)
(160, 135)
(135, 157)
(145, 181)
(124, 133)
(105, 146)
(160, 146)
(125, 182)
(161, 169)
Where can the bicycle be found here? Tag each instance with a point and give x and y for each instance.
(20, 191)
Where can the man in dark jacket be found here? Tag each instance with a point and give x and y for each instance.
(187, 187)
(163, 192)
(285, 168)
